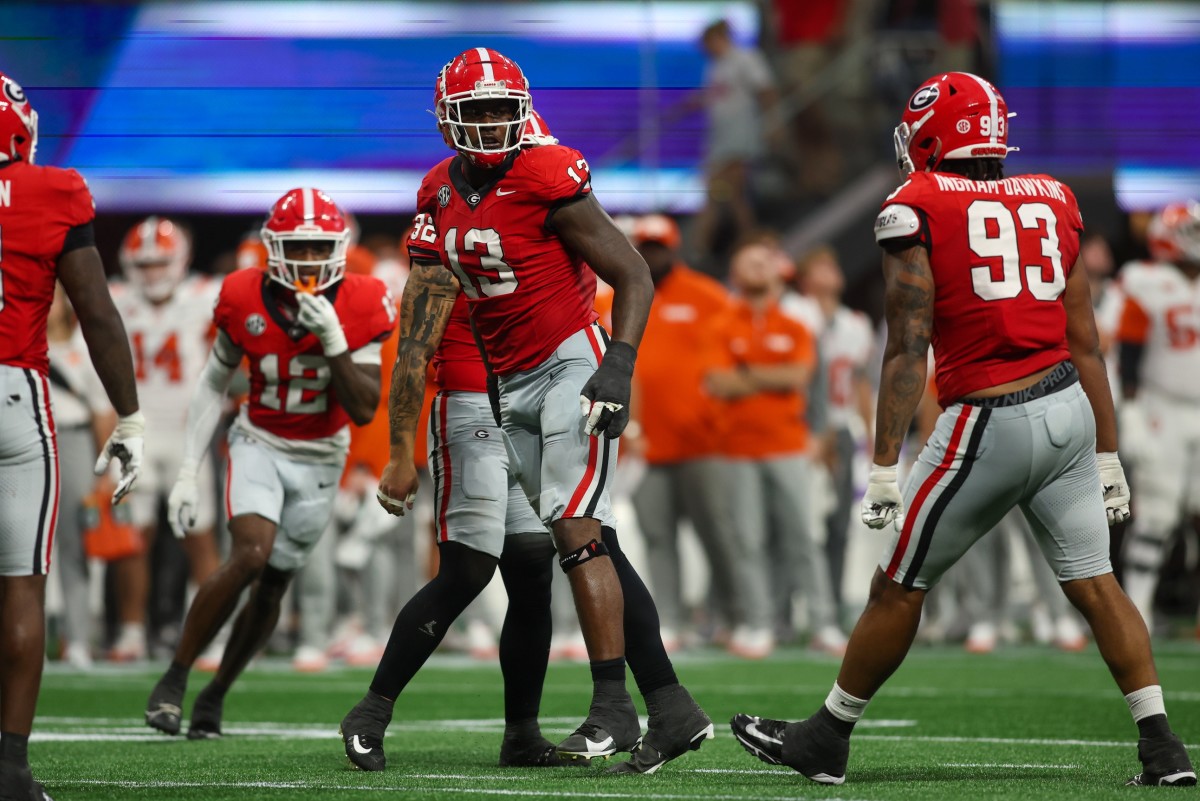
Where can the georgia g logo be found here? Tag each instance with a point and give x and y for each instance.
(13, 91)
(924, 98)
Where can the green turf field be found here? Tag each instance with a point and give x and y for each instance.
(1021, 723)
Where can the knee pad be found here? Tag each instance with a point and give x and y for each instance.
(585, 553)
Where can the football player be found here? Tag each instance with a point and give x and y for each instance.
(311, 334)
(46, 217)
(1159, 335)
(984, 268)
(515, 230)
(482, 520)
(168, 315)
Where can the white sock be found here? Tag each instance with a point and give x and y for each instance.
(1144, 702)
(844, 706)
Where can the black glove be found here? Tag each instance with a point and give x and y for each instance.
(604, 399)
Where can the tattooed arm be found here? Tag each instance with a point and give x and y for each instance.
(908, 307)
(424, 312)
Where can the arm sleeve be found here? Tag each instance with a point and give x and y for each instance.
(205, 408)
(79, 236)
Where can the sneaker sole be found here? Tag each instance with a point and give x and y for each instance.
(1183, 778)
(166, 722)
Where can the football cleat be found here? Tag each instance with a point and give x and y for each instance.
(812, 747)
(18, 784)
(164, 709)
(205, 723)
(676, 725)
(362, 732)
(537, 753)
(612, 725)
(1165, 763)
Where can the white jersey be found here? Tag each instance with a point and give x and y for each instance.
(81, 394)
(170, 343)
(846, 346)
(1108, 308)
(1162, 313)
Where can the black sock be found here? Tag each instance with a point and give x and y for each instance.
(652, 668)
(609, 670)
(176, 675)
(14, 749)
(422, 623)
(1153, 726)
(527, 567)
(215, 690)
(522, 731)
(842, 727)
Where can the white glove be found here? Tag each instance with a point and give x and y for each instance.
(882, 503)
(318, 316)
(1134, 431)
(1114, 487)
(124, 445)
(183, 500)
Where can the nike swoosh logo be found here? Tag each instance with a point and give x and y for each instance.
(502, 193)
(324, 485)
(594, 748)
(752, 730)
(357, 747)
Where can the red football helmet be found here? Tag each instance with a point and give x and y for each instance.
(18, 122)
(1174, 233)
(306, 215)
(154, 257)
(537, 132)
(481, 74)
(955, 115)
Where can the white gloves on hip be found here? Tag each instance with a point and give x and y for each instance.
(882, 503)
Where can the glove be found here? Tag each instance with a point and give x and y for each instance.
(604, 400)
(1134, 430)
(124, 445)
(1114, 487)
(882, 503)
(318, 316)
(183, 500)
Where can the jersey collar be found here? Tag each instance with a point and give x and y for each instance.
(472, 196)
(274, 306)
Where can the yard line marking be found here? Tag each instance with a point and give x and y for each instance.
(464, 790)
(1005, 765)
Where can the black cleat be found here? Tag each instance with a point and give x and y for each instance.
(677, 725)
(362, 732)
(810, 747)
(612, 725)
(537, 753)
(205, 723)
(18, 784)
(1165, 763)
(164, 709)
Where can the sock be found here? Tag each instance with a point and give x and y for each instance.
(844, 707)
(522, 731)
(14, 749)
(422, 623)
(1149, 712)
(215, 690)
(609, 670)
(176, 675)
(527, 570)
(652, 668)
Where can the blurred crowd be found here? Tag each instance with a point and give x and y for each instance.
(752, 426)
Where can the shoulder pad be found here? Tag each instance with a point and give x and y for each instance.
(897, 221)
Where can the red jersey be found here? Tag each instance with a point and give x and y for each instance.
(526, 292)
(290, 394)
(457, 363)
(1000, 252)
(38, 206)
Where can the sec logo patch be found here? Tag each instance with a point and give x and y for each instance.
(256, 324)
(444, 195)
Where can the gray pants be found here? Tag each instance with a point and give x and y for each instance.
(777, 555)
(837, 522)
(70, 563)
(981, 463)
(697, 490)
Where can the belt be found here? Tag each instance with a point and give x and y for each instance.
(1063, 375)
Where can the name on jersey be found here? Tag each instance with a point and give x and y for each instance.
(1025, 187)
(5, 193)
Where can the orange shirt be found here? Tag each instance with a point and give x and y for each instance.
(769, 423)
(676, 414)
